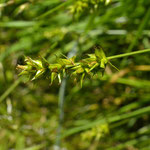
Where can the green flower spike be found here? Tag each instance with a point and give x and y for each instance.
(88, 67)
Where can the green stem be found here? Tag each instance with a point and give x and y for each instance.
(62, 102)
(128, 54)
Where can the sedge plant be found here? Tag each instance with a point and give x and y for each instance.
(78, 70)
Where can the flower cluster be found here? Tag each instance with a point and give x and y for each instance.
(65, 66)
(96, 133)
(80, 5)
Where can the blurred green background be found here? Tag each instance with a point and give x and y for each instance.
(107, 113)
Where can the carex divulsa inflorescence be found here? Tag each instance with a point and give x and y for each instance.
(41, 68)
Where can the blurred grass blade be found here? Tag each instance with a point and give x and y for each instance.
(17, 24)
(135, 83)
(136, 113)
(63, 4)
(18, 46)
(130, 143)
(138, 34)
(139, 31)
(36, 147)
(10, 89)
(131, 82)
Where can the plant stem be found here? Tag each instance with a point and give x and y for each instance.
(128, 54)
(62, 102)
(61, 112)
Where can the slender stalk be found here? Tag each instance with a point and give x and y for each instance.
(61, 112)
(128, 54)
(61, 103)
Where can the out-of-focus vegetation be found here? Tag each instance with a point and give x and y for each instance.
(109, 112)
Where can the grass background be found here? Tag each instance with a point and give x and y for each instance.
(109, 112)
